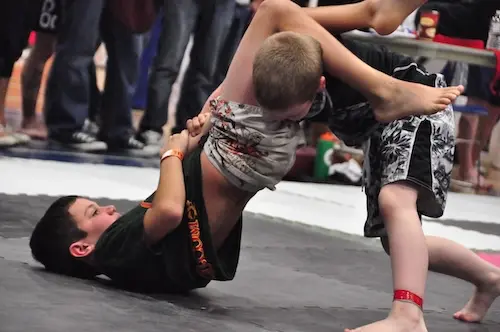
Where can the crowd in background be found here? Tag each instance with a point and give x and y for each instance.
(77, 115)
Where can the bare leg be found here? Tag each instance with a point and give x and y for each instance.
(453, 259)
(31, 78)
(4, 84)
(486, 125)
(390, 98)
(467, 129)
(389, 14)
(409, 257)
(344, 17)
(6, 138)
(384, 16)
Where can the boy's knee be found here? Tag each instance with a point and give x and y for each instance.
(387, 201)
(395, 197)
(275, 6)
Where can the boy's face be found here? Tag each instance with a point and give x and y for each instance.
(92, 219)
(299, 111)
(293, 113)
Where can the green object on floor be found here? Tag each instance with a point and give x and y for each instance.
(324, 153)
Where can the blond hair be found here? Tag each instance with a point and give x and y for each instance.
(286, 70)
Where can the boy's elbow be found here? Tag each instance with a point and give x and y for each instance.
(160, 220)
(172, 213)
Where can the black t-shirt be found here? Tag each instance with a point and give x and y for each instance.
(123, 255)
(184, 260)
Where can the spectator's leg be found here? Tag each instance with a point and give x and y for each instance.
(68, 87)
(478, 95)
(148, 52)
(31, 79)
(467, 130)
(178, 24)
(121, 78)
(215, 21)
(95, 95)
(242, 14)
(17, 18)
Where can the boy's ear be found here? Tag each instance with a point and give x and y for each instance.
(81, 249)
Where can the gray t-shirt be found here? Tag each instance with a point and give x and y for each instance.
(250, 150)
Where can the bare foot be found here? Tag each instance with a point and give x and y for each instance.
(391, 324)
(389, 14)
(404, 317)
(402, 99)
(34, 128)
(484, 295)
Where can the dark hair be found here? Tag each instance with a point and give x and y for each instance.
(52, 237)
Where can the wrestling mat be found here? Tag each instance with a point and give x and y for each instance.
(291, 278)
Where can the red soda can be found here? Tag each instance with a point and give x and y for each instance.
(428, 25)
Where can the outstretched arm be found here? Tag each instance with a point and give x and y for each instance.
(168, 204)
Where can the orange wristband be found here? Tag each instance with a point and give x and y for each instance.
(172, 153)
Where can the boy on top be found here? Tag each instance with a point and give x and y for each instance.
(407, 171)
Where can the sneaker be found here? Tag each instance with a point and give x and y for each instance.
(150, 138)
(81, 141)
(9, 138)
(134, 147)
(6, 138)
(21, 138)
(91, 127)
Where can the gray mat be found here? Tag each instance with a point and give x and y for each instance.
(290, 278)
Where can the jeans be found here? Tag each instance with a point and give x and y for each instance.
(239, 24)
(69, 86)
(208, 21)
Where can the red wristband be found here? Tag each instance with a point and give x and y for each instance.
(404, 295)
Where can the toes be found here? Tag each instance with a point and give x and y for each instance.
(444, 101)
(456, 90)
(464, 317)
(450, 96)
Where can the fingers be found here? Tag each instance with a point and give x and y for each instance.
(195, 125)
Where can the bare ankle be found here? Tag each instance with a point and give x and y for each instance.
(407, 312)
(491, 279)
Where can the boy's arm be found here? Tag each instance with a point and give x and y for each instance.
(168, 204)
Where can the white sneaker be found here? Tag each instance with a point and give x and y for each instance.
(8, 138)
(21, 138)
(150, 138)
